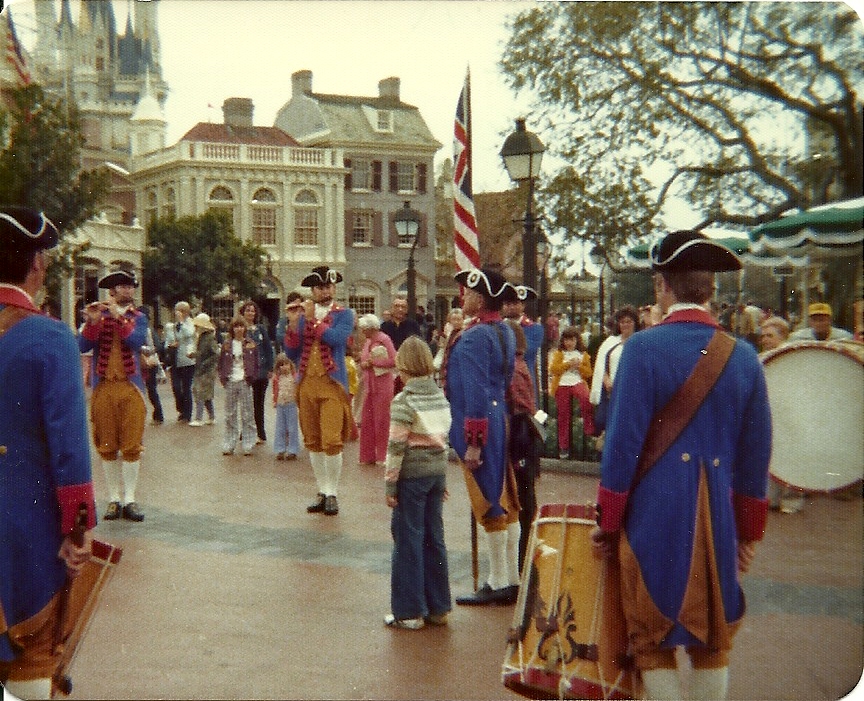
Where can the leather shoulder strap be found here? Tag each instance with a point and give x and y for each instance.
(667, 424)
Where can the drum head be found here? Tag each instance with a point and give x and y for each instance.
(816, 391)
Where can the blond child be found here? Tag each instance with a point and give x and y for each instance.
(286, 431)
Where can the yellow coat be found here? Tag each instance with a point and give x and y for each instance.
(556, 369)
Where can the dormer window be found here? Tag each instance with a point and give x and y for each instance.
(384, 121)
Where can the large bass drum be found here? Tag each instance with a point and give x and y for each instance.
(816, 391)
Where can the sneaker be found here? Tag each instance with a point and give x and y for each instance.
(280, 456)
(209, 422)
(407, 623)
(436, 619)
(196, 422)
(564, 455)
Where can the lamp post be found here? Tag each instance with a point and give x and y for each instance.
(544, 250)
(598, 257)
(407, 223)
(522, 154)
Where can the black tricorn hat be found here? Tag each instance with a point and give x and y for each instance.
(118, 277)
(692, 250)
(23, 229)
(519, 293)
(322, 275)
(488, 283)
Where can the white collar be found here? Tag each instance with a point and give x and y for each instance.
(681, 306)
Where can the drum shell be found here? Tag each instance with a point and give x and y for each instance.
(566, 586)
(816, 392)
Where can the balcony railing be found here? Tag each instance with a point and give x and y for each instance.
(242, 154)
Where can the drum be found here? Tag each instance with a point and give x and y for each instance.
(568, 638)
(816, 391)
(82, 602)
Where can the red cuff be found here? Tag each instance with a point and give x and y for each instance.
(91, 331)
(476, 431)
(70, 499)
(610, 509)
(292, 339)
(750, 516)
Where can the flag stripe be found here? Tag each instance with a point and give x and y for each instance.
(465, 239)
(14, 55)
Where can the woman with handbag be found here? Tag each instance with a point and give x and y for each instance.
(606, 365)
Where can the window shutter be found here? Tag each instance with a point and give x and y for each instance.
(349, 228)
(392, 234)
(376, 176)
(377, 229)
(348, 180)
(394, 176)
(422, 231)
(421, 178)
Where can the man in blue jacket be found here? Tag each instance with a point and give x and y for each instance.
(688, 527)
(316, 339)
(44, 459)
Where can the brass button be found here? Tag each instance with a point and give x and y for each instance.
(716, 462)
(2, 450)
(685, 457)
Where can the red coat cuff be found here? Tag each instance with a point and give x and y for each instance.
(610, 509)
(70, 499)
(91, 331)
(476, 431)
(292, 339)
(750, 516)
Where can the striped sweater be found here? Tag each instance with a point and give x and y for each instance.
(419, 424)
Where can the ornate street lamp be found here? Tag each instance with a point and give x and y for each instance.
(407, 223)
(522, 154)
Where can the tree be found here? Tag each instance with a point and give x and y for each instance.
(197, 257)
(743, 109)
(40, 167)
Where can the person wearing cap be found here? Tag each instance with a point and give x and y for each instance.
(44, 459)
(115, 331)
(180, 341)
(479, 370)
(316, 340)
(819, 326)
(206, 369)
(687, 529)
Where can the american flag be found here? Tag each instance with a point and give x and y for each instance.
(14, 55)
(466, 244)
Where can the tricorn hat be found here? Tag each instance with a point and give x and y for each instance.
(23, 229)
(322, 275)
(519, 293)
(488, 283)
(692, 250)
(118, 277)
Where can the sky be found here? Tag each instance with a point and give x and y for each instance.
(216, 49)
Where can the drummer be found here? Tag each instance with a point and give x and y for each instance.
(44, 459)
(688, 528)
(819, 326)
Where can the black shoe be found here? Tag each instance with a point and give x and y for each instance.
(511, 593)
(131, 512)
(113, 512)
(331, 506)
(318, 506)
(487, 596)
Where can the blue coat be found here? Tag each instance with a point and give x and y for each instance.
(333, 333)
(134, 341)
(45, 468)
(729, 440)
(478, 374)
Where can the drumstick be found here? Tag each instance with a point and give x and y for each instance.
(475, 566)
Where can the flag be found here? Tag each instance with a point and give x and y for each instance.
(14, 54)
(466, 244)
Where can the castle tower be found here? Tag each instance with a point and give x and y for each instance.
(147, 124)
(45, 51)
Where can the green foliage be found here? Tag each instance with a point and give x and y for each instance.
(196, 257)
(716, 101)
(40, 167)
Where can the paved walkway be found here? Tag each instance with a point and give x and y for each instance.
(229, 589)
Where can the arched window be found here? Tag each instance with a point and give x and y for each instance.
(306, 218)
(264, 217)
(169, 203)
(222, 199)
(151, 210)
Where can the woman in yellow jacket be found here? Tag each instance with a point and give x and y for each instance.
(569, 368)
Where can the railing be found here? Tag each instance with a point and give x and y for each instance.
(242, 153)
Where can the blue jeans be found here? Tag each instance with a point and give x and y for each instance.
(286, 431)
(419, 578)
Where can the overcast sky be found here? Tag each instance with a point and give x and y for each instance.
(215, 49)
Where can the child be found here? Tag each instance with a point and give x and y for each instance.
(286, 439)
(206, 355)
(238, 367)
(415, 482)
(569, 367)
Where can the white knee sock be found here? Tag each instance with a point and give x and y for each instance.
(333, 468)
(709, 684)
(130, 479)
(113, 479)
(30, 688)
(497, 541)
(662, 685)
(317, 460)
(514, 531)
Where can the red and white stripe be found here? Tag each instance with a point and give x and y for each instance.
(465, 240)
